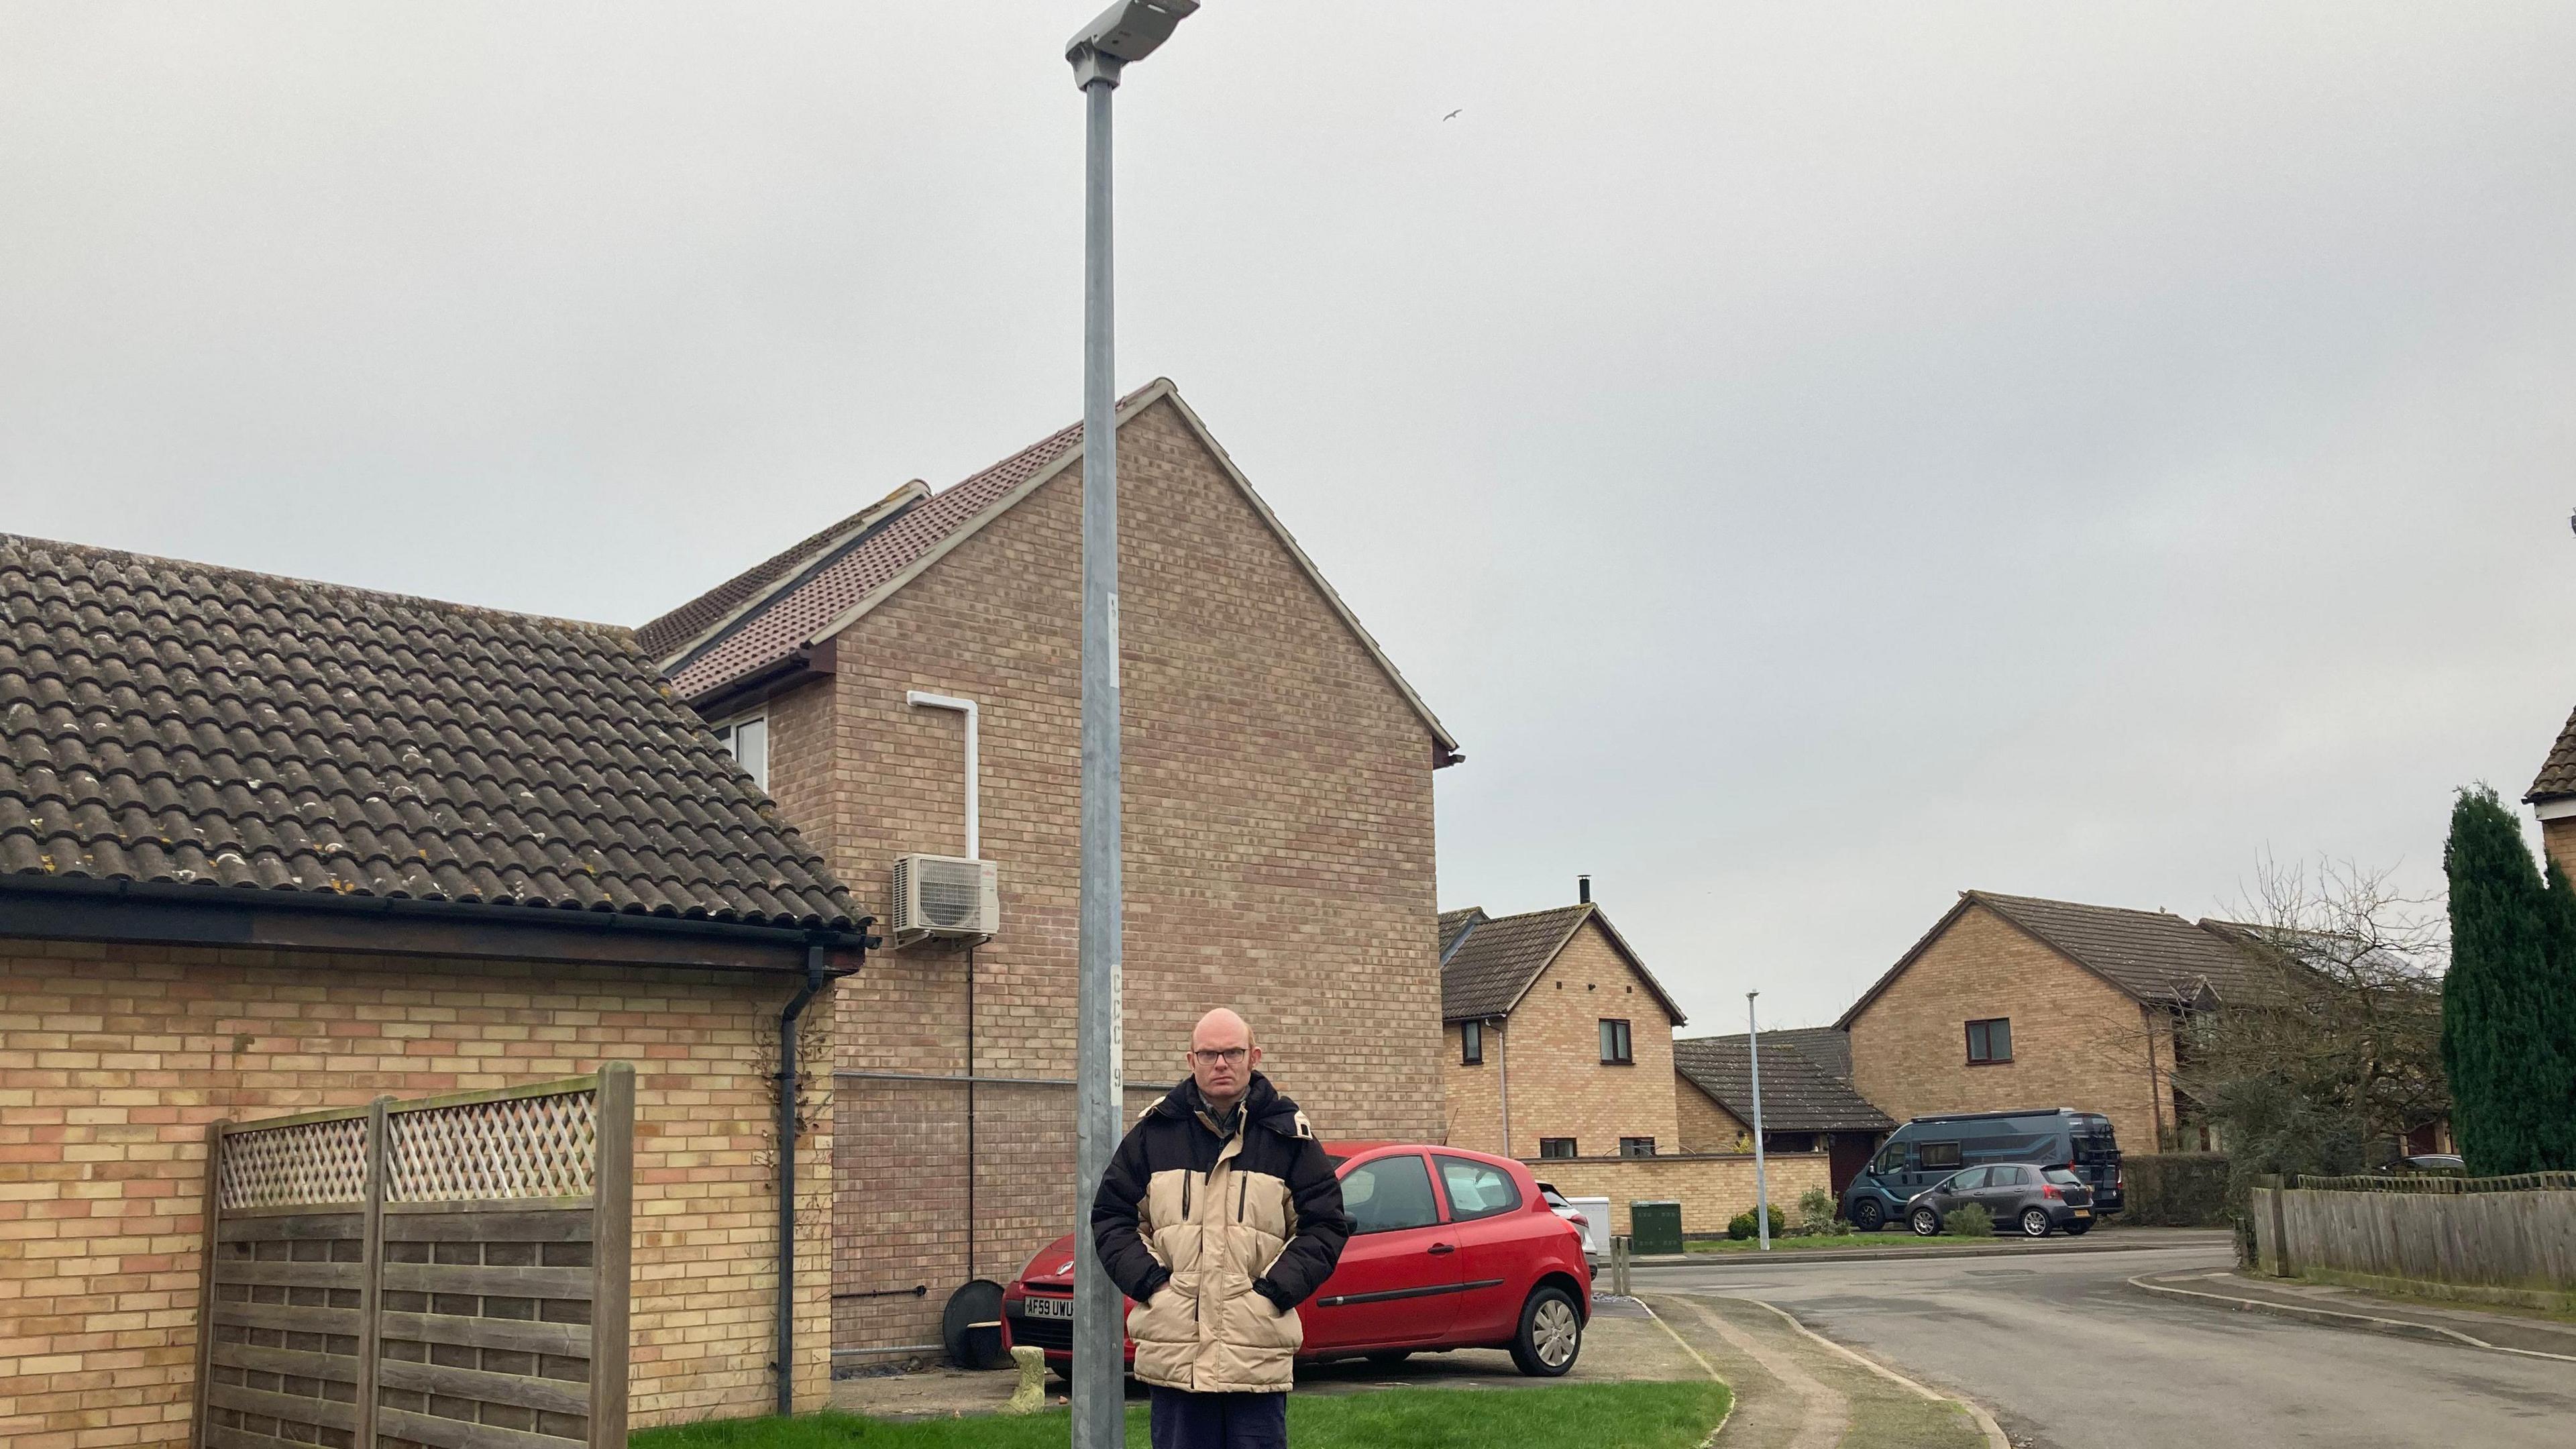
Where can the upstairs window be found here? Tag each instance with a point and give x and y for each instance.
(1636, 1147)
(1615, 1045)
(1557, 1147)
(1990, 1041)
(747, 740)
(1471, 1043)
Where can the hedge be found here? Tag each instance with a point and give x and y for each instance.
(2176, 1189)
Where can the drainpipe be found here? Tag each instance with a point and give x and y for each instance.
(817, 958)
(1503, 1054)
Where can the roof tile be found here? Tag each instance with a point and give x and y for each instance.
(178, 723)
(1798, 1094)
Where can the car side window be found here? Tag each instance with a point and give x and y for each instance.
(1389, 1194)
(2008, 1177)
(1477, 1189)
(1968, 1181)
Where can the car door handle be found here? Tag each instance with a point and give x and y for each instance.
(1438, 1248)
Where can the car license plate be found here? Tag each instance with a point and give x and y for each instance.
(1034, 1306)
(2079, 1212)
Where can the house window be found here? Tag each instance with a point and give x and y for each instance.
(1989, 1041)
(747, 740)
(1636, 1146)
(1614, 1044)
(1471, 1043)
(1556, 1147)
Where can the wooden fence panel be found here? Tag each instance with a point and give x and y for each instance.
(449, 1273)
(2520, 1238)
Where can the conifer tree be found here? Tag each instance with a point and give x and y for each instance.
(2507, 1086)
(2554, 1001)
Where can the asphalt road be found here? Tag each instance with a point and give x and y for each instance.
(2067, 1356)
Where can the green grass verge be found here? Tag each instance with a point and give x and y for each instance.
(1599, 1416)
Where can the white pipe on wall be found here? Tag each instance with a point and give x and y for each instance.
(974, 814)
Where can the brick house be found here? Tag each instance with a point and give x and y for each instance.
(2012, 1001)
(2552, 798)
(269, 845)
(1278, 827)
(1557, 1041)
(1808, 1101)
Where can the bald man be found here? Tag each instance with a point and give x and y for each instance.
(1218, 1216)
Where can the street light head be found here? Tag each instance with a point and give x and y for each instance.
(1129, 30)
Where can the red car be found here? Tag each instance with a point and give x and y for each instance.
(1451, 1249)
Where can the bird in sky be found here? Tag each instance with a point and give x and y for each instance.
(1453, 115)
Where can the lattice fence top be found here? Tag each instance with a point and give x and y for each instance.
(295, 1165)
(2438, 1184)
(515, 1147)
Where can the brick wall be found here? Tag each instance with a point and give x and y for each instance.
(2558, 842)
(1474, 1094)
(114, 1058)
(2077, 1040)
(1711, 1188)
(1704, 1125)
(1278, 832)
(1559, 1084)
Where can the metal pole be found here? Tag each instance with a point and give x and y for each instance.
(1099, 1328)
(1761, 1181)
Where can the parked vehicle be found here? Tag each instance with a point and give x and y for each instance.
(2440, 1164)
(2020, 1196)
(1581, 1220)
(1452, 1249)
(1927, 1150)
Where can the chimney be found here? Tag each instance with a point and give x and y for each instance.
(1583, 890)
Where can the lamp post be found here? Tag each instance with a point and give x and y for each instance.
(1761, 1181)
(1127, 31)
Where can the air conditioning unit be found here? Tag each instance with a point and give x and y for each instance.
(945, 896)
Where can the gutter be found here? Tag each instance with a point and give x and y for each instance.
(818, 957)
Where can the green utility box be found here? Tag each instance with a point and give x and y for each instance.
(1655, 1227)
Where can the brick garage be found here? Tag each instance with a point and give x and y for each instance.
(268, 845)
(1279, 850)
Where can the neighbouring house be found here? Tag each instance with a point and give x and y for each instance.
(2552, 798)
(268, 845)
(1559, 1051)
(1806, 1104)
(2013, 1001)
(907, 682)
(1558, 1042)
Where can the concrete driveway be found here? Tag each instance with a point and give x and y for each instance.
(2067, 1356)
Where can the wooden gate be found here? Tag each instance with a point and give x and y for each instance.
(447, 1273)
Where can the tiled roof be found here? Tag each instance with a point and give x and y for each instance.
(1453, 924)
(674, 630)
(1501, 958)
(2558, 773)
(179, 724)
(779, 628)
(1798, 1094)
(2152, 955)
(757, 622)
(1827, 1046)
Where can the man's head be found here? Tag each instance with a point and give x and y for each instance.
(1222, 1057)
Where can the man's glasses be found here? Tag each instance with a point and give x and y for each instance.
(1231, 1056)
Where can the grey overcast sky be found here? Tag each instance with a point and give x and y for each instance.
(1815, 458)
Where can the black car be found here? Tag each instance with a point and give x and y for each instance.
(2023, 1196)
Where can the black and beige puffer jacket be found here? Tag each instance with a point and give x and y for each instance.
(1218, 1239)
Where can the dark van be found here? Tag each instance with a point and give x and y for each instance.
(1928, 1149)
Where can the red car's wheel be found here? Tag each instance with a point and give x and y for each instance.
(1551, 1334)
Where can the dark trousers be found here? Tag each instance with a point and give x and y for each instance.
(1183, 1420)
